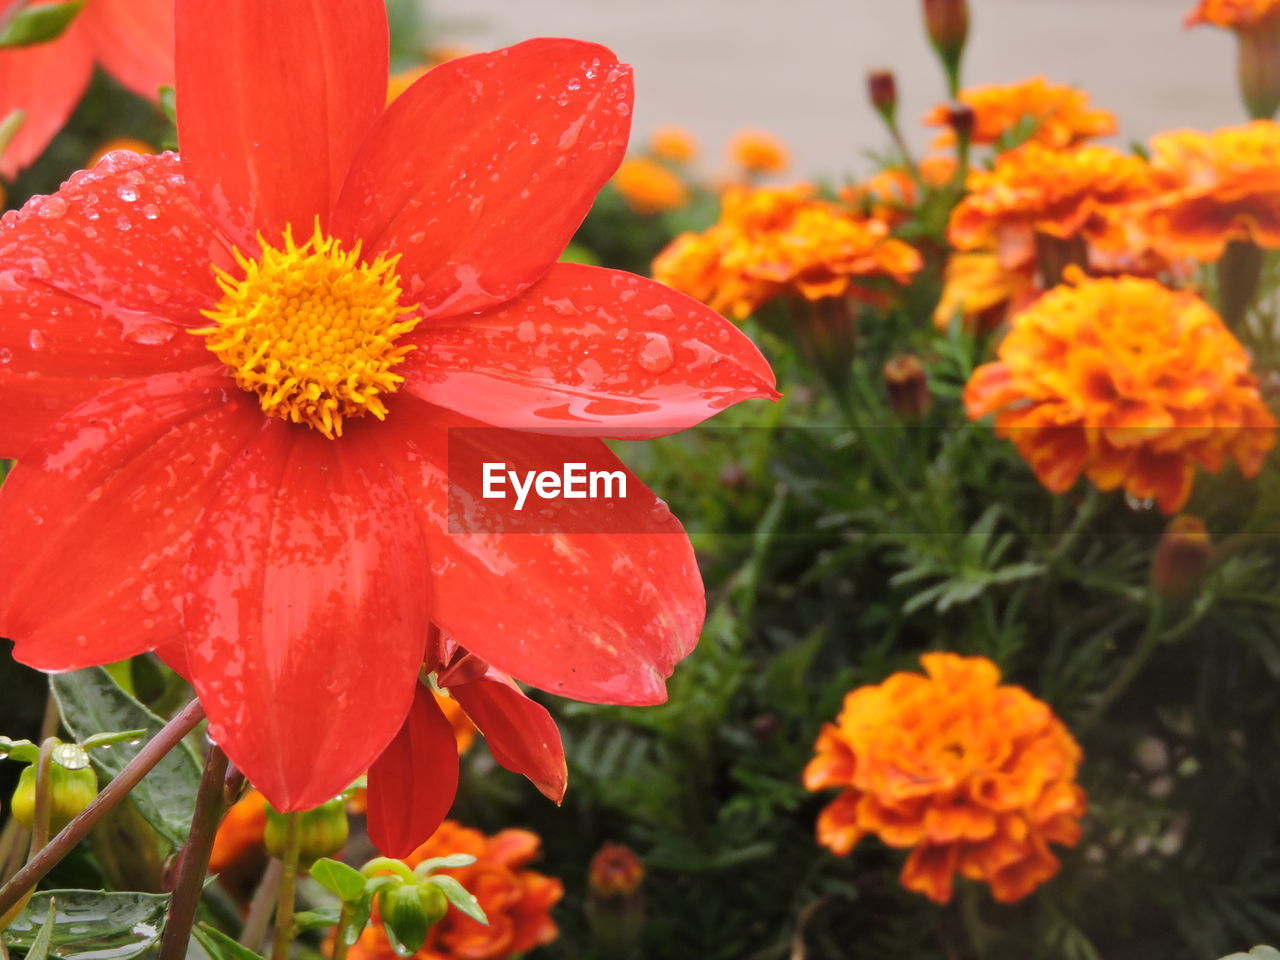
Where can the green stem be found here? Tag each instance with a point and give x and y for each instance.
(40, 826)
(264, 899)
(340, 941)
(387, 865)
(193, 862)
(115, 791)
(1130, 669)
(288, 888)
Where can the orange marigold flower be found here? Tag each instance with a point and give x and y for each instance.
(1233, 14)
(891, 193)
(1080, 193)
(975, 776)
(777, 241)
(1061, 115)
(240, 833)
(516, 900)
(674, 144)
(982, 291)
(648, 187)
(756, 151)
(1216, 187)
(1128, 382)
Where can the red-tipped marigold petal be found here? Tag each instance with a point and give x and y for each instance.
(273, 100)
(601, 350)
(45, 82)
(104, 507)
(413, 782)
(479, 174)
(307, 611)
(520, 733)
(598, 618)
(133, 40)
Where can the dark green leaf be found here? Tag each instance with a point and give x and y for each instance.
(39, 24)
(220, 946)
(90, 702)
(320, 919)
(44, 939)
(92, 924)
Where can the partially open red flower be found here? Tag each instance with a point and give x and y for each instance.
(131, 39)
(229, 379)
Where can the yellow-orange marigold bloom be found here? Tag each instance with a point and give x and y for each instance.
(892, 193)
(1060, 115)
(648, 187)
(516, 900)
(674, 144)
(1128, 382)
(1233, 14)
(777, 241)
(1216, 187)
(982, 291)
(1083, 192)
(756, 151)
(975, 776)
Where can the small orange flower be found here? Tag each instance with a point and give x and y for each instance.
(517, 901)
(975, 776)
(1216, 187)
(240, 833)
(1081, 193)
(982, 291)
(1233, 14)
(615, 871)
(673, 144)
(1128, 382)
(648, 187)
(778, 241)
(891, 193)
(1060, 115)
(756, 151)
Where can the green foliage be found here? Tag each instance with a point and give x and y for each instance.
(32, 25)
(89, 924)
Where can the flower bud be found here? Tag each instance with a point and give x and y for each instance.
(882, 89)
(948, 24)
(1182, 559)
(70, 791)
(322, 832)
(408, 911)
(907, 386)
(615, 871)
(961, 119)
(1259, 61)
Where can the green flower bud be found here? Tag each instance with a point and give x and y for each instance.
(322, 832)
(70, 791)
(408, 912)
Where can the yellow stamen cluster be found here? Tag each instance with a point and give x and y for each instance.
(312, 330)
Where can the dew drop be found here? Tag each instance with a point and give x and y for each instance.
(52, 208)
(126, 193)
(35, 340)
(6, 355)
(660, 512)
(574, 84)
(525, 332)
(123, 224)
(151, 211)
(1137, 503)
(656, 355)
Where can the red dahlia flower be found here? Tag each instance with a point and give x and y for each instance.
(131, 39)
(229, 379)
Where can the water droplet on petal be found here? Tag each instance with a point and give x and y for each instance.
(660, 512)
(656, 355)
(35, 340)
(127, 193)
(52, 208)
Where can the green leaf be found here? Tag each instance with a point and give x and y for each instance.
(319, 919)
(220, 946)
(39, 24)
(44, 939)
(90, 702)
(347, 883)
(461, 898)
(359, 919)
(22, 750)
(91, 924)
(443, 863)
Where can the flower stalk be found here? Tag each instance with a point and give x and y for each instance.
(288, 888)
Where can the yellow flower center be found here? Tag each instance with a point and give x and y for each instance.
(312, 330)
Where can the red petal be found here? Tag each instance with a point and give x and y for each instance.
(308, 611)
(479, 174)
(520, 733)
(273, 100)
(413, 783)
(104, 507)
(44, 81)
(601, 351)
(126, 236)
(133, 40)
(599, 616)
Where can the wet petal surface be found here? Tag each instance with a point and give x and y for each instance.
(44, 81)
(133, 40)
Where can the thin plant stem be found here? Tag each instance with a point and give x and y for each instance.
(137, 768)
(193, 862)
(52, 720)
(1129, 670)
(260, 908)
(40, 825)
(283, 938)
(340, 941)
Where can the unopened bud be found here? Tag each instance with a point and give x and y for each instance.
(961, 119)
(882, 89)
(1259, 61)
(322, 832)
(907, 386)
(615, 871)
(1182, 559)
(615, 905)
(70, 791)
(948, 24)
(409, 911)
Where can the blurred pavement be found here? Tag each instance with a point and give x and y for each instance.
(796, 67)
